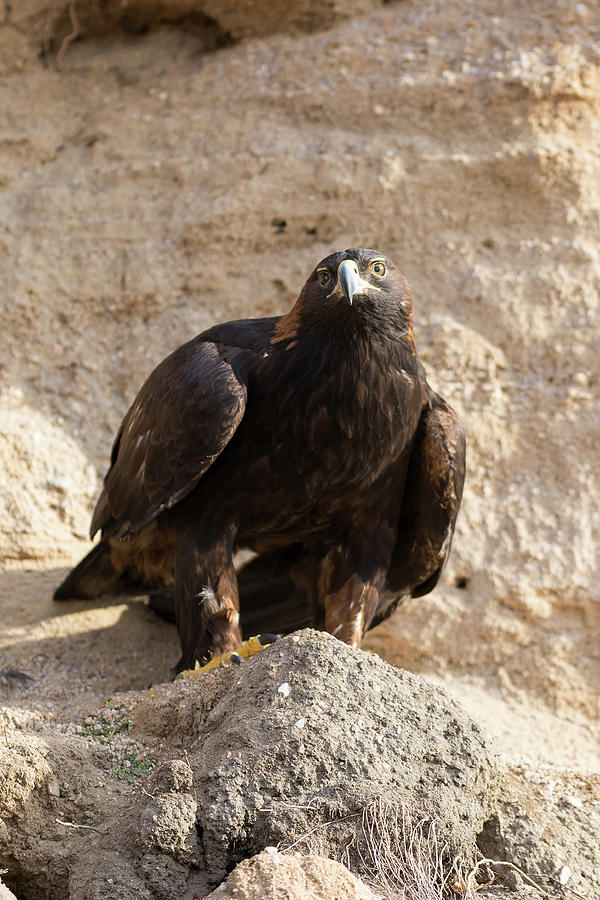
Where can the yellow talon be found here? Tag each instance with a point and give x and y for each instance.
(249, 648)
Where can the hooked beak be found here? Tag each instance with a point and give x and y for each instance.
(349, 281)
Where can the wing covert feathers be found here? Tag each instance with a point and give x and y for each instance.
(181, 420)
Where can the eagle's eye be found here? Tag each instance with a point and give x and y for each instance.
(324, 277)
(378, 268)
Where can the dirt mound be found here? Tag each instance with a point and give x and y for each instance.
(288, 750)
(312, 732)
(311, 747)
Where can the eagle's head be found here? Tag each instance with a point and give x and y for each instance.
(360, 286)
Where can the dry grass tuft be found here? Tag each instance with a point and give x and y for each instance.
(401, 859)
(405, 859)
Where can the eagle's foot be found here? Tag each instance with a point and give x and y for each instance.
(249, 648)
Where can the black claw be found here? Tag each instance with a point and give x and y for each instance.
(265, 639)
(236, 658)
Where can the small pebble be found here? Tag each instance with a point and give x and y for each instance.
(565, 874)
(300, 723)
(285, 689)
(53, 789)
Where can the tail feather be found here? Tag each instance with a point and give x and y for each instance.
(94, 576)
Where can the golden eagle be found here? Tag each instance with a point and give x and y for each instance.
(312, 439)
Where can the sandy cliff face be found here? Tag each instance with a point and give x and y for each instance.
(157, 185)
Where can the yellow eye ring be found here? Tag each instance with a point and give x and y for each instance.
(324, 277)
(378, 268)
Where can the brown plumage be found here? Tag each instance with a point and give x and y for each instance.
(312, 439)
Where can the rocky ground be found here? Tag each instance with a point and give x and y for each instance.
(177, 165)
(312, 750)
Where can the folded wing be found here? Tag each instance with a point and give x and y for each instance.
(431, 502)
(181, 420)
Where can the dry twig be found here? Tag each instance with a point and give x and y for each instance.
(90, 827)
(472, 875)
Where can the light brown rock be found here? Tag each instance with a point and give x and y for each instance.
(274, 876)
(5, 894)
